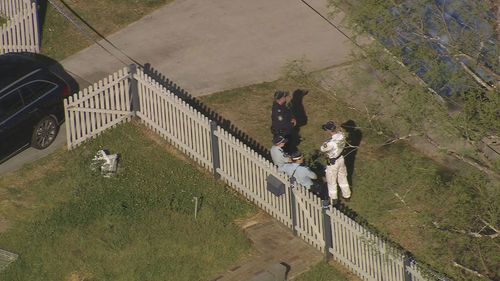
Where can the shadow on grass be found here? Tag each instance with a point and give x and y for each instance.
(354, 136)
(42, 15)
(299, 112)
(206, 111)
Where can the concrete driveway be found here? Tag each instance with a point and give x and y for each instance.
(206, 46)
(31, 154)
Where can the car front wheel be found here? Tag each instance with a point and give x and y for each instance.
(44, 133)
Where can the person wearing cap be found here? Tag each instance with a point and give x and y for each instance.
(302, 174)
(282, 120)
(277, 154)
(336, 171)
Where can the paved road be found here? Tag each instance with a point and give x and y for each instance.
(207, 46)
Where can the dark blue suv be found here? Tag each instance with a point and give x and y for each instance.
(31, 103)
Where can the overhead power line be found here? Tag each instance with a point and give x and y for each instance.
(365, 52)
(88, 31)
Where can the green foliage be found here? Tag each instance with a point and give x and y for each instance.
(424, 21)
(481, 113)
(464, 206)
(479, 108)
(471, 213)
(138, 225)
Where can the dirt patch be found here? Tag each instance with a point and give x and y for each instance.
(34, 172)
(78, 276)
(348, 274)
(260, 217)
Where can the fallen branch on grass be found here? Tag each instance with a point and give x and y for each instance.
(469, 233)
(464, 159)
(469, 270)
(398, 139)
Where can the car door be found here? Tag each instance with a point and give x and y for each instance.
(39, 99)
(11, 124)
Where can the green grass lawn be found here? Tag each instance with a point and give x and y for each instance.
(322, 272)
(68, 223)
(60, 38)
(395, 189)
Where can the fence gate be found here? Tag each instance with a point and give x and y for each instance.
(98, 108)
(21, 31)
(308, 217)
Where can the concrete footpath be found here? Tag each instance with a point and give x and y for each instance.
(206, 46)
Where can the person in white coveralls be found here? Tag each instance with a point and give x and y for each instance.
(336, 171)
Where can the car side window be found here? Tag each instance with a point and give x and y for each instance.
(34, 90)
(10, 104)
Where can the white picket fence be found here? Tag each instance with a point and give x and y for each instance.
(185, 128)
(21, 31)
(97, 108)
(349, 243)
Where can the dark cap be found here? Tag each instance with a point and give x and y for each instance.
(280, 94)
(297, 155)
(279, 140)
(329, 126)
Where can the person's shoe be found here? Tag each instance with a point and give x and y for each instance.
(348, 199)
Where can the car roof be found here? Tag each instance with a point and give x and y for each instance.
(15, 66)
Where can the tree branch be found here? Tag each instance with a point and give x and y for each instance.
(465, 159)
(398, 139)
(441, 13)
(490, 226)
(469, 233)
(455, 52)
(471, 271)
(475, 77)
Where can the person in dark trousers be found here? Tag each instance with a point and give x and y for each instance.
(282, 120)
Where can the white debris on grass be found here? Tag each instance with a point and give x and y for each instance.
(104, 162)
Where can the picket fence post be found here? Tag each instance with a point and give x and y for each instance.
(215, 148)
(134, 89)
(327, 234)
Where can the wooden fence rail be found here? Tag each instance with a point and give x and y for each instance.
(97, 108)
(330, 231)
(21, 31)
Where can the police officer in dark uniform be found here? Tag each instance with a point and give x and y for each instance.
(282, 119)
